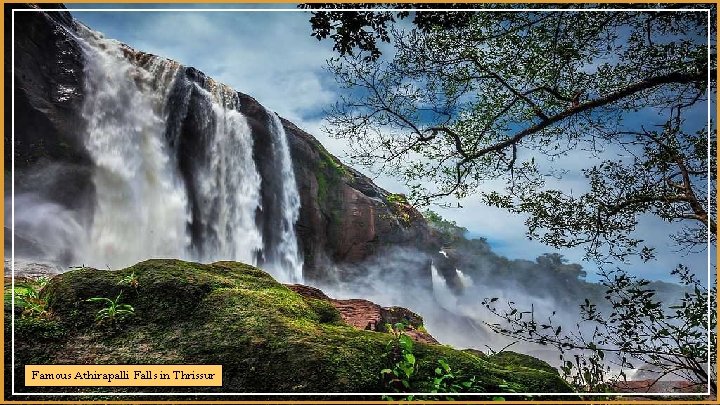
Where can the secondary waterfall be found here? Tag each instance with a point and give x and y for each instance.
(175, 175)
(441, 292)
(228, 182)
(284, 255)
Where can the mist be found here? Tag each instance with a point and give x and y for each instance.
(448, 290)
(52, 208)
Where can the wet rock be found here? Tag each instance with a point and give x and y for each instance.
(367, 315)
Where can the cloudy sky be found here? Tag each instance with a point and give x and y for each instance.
(271, 56)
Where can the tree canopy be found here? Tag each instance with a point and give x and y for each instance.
(591, 119)
(463, 98)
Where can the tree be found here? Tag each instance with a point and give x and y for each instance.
(639, 332)
(556, 263)
(463, 99)
(360, 31)
(509, 95)
(448, 232)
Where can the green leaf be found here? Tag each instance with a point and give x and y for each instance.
(99, 299)
(405, 342)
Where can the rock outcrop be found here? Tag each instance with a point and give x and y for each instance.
(367, 315)
(48, 96)
(266, 337)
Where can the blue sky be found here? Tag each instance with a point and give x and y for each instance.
(272, 57)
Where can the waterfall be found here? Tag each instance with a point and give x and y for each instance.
(284, 257)
(442, 293)
(174, 171)
(465, 280)
(228, 184)
(141, 209)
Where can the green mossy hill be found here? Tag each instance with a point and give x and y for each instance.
(267, 337)
(515, 360)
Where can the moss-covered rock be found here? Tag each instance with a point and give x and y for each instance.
(267, 337)
(330, 172)
(513, 360)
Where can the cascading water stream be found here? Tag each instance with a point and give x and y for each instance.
(141, 209)
(285, 259)
(442, 293)
(228, 184)
(465, 280)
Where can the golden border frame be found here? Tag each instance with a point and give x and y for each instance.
(339, 402)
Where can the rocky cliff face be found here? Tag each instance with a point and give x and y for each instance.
(343, 216)
(48, 97)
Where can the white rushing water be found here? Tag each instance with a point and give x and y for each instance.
(465, 280)
(141, 206)
(441, 292)
(229, 186)
(288, 264)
